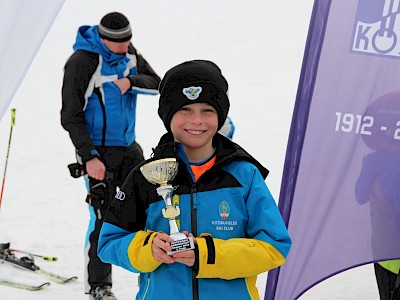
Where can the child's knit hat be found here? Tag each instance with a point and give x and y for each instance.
(196, 81)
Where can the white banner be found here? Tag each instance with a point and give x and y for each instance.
(23, 26)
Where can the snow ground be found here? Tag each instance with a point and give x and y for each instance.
(259, 47)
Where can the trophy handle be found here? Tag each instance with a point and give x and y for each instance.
(171, 212)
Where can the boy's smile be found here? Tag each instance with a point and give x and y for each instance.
(194, 126)
(195, 131)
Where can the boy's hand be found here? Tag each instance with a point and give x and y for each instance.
(186, 257)
(160, 248)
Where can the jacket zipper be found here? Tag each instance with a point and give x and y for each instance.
(193, 209)
(103, 109)
(147, 289)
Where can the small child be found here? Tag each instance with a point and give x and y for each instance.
(224, 202)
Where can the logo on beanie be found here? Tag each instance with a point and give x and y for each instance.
(193, 92)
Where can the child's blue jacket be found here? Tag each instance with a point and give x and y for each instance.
(238, 228)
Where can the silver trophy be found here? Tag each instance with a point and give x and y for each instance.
(160, 172)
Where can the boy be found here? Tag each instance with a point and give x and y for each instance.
(224, 202)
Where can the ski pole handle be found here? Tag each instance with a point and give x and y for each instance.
(13, 111)
(49, 258)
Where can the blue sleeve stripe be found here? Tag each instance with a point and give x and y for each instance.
(145, 91)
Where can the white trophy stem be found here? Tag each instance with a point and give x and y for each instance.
(165, 192)
(173, 227)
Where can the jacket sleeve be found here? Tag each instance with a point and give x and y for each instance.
(77, 74)
(131, 251)
(146, 80)
(245, 257)
(265, 247)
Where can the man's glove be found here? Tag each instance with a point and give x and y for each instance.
(77, 170)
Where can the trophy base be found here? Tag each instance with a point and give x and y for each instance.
(181, 244)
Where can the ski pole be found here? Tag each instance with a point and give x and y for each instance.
(44, 257)
(8, 153)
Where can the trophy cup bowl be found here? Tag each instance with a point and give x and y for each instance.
(160, 172)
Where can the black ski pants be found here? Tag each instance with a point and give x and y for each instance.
(119, 161)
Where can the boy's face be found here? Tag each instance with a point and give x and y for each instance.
(195, 125)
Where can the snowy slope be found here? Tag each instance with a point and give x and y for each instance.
(258, 45)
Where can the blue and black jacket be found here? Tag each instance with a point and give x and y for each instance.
(94, 111)
(229, 209)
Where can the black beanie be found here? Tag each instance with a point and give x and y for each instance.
(196, 81)
(115, 27)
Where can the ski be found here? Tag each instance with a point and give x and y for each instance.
(55, 277)
(24, 286)
(27, 263)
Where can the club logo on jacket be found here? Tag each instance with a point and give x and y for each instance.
(224, 210)
(192, 93)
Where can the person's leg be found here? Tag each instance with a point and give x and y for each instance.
(396, 289)
(385, 280)
(97, 273)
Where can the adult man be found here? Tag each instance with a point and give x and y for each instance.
(101, 81)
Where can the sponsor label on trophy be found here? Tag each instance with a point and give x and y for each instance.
(160, 172)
